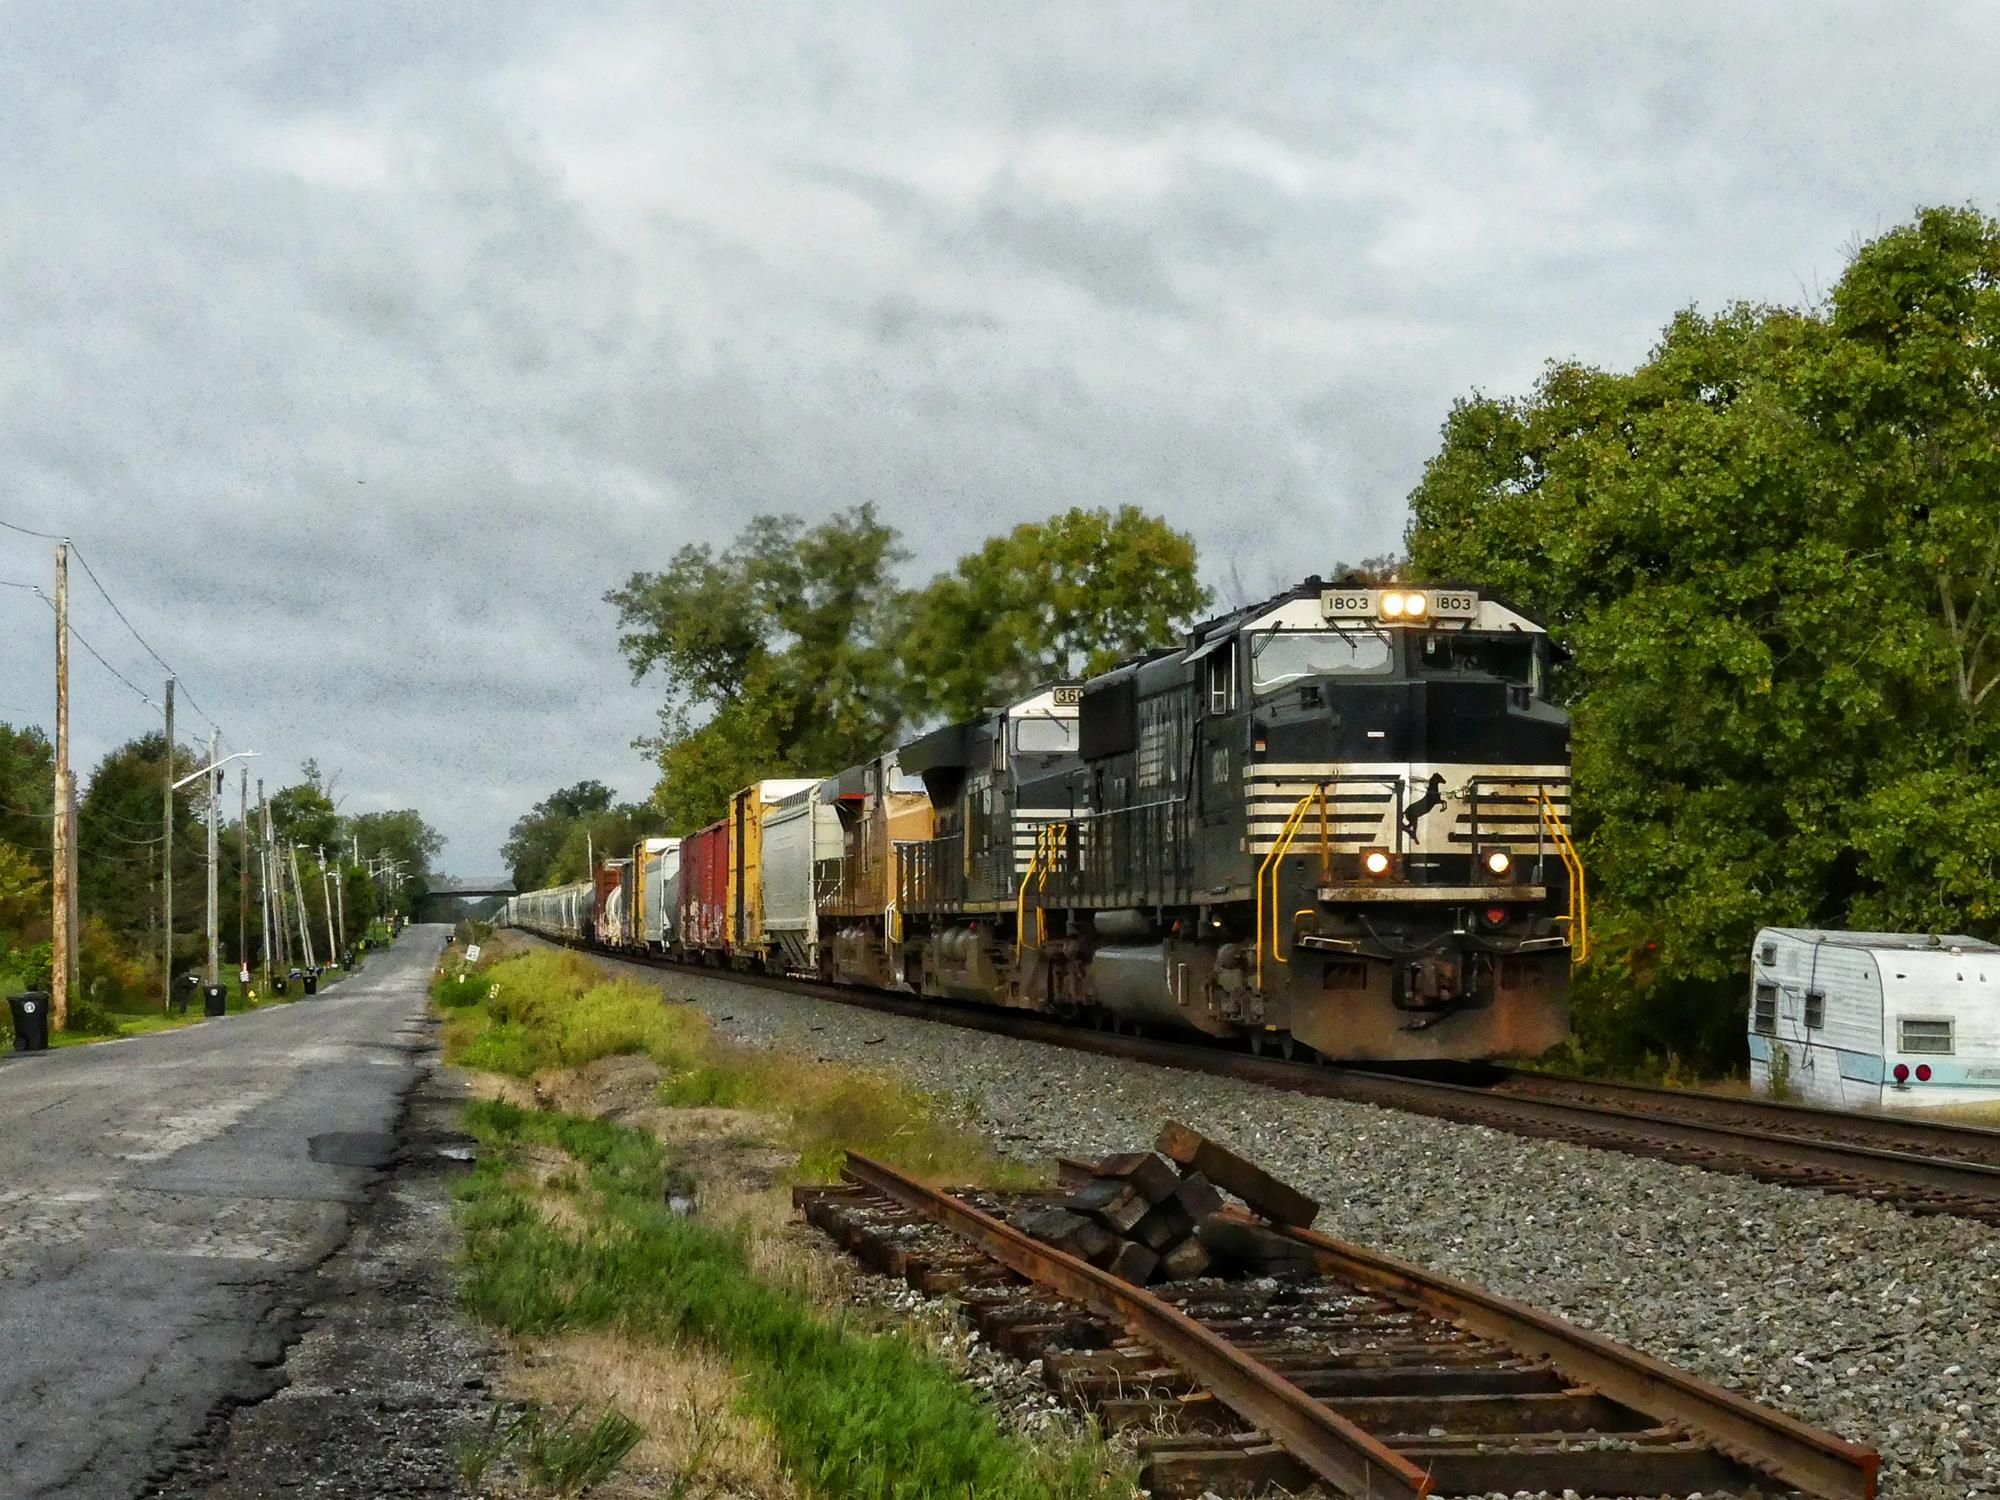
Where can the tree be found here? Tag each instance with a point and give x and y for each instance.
(538, 834)
(610, 834)
(305, 814)
(118, 846)
(402, 835)
(1772, 551)
(27, 790)
(777, 654)
(1053, 599)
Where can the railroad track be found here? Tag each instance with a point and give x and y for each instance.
(1915, 1165)
(1372, 1376)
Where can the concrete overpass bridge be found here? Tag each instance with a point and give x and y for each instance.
(452, 896)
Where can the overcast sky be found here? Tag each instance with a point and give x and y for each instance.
(361, 347)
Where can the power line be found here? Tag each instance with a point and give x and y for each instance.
(44, 535)
(77, 553)
(78, 638)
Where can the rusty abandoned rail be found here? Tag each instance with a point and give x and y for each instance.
(1816, 1462)
(1326, 1443)
(1522, 1385)
(1919, 1166)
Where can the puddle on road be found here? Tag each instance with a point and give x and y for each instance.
(352, 1148)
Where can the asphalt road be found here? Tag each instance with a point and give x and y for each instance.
(160, 1201)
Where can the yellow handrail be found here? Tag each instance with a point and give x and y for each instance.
(892, 917)
(1269, 867)
(1021, 896)
(1579, 896)
(1057, 832)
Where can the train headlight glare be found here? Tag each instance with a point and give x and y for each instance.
(1414, 605)
(1392, 606)
(1499, 862)
(1375, 862)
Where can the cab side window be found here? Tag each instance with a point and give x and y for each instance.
(1222, 680)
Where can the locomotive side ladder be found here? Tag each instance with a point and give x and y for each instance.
(1578, 919)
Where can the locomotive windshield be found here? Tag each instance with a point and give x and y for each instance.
(1511, 658)
(1050, 736)
(1281, 656)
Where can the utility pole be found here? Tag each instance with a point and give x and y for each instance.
(63, 892)
(214, 751)
(243, 872)
(340, 904)
(299, 888)
(263, 889)
(280, 945)
(326, 895)
(167, 868)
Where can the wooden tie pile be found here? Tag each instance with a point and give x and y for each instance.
(1157, 1215)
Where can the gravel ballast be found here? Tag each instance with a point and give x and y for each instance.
(1876, 1324)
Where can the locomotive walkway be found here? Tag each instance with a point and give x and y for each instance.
(158, 1199)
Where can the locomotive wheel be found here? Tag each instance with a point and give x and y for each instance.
(1288, 1047)
(1256, 1044)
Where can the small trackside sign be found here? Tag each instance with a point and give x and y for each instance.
(472, 954)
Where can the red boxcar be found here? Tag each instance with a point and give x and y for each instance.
(607, 881)
(704, 893)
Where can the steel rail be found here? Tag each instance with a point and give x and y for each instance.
(1946, 1138)
(1972, 1186)
(1817, 1462)
(1328, 1444)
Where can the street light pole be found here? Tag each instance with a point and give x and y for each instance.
(207, 773)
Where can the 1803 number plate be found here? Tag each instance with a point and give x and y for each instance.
(1454, 604)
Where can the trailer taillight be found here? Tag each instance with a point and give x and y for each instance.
(1923, 1072)
(1902, 1072)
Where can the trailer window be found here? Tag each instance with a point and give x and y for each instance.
(1282, 656)
(1764, 1013)
(1923, 1036)
(1815, 1010)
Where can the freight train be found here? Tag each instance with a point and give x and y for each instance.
(1334, 822)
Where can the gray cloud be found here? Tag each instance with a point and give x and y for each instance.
(363, 347)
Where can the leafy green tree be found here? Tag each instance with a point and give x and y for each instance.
(27, 790)
(610, 834)
(1057, 598)
(777, 654)
(1772, 551)
(401, 834)
(119, 846)
(305, 814)
(538, 834)
(24, 893)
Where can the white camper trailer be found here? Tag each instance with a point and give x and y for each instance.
(1857, 1020)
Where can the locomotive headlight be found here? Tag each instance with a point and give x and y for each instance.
(1375, 862)
(1414, 605)
(1499, 861)
(1392, 606)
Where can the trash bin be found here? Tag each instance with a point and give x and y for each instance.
(215, 1000)
(277, 984)
(311, 982)
(189, 984)
(31, 1020)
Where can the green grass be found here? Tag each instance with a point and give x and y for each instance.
(856, 1416)
(551, 1008)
